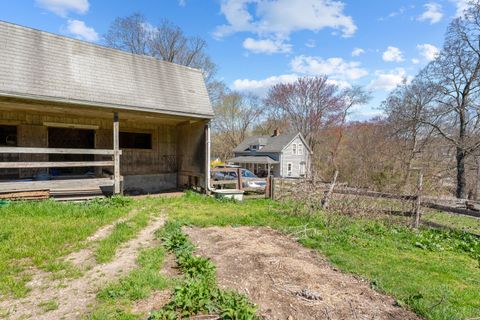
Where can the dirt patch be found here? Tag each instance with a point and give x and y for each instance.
(287, 280)
(154, 302)
(160, 298)
(75, 296)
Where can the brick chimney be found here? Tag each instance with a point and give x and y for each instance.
(276, 132)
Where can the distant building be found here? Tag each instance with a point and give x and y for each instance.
(285, 155)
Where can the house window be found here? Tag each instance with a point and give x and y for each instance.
(300, 149)
(289, 169)
(8, 136)
(133, 140)
(253, 147)
(294, 148)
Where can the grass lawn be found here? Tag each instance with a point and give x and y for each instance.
(36, 234)
(465, 223)
(116, 299)
(435, 273)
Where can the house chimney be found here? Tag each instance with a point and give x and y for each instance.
(276, 132)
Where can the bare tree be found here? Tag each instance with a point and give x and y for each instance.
(349, 98)
(235, 115)
(309, 104)
(166, 42)
(129, 34)
(455, 75)
(405, 108)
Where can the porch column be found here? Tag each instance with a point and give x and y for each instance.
(116, 154)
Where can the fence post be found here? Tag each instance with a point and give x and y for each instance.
(418, 200)
(272, 187)
(239, 179)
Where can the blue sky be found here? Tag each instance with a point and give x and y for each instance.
(257, 43)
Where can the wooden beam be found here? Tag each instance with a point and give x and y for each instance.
(70, 164)
(78, 184)
(56, 151)
(70, 125)
(116, 154)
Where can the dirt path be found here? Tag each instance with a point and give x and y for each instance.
(75, 296)
(84, 258)
(287, 280)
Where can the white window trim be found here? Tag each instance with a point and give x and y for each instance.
(294, 149)
(300, 149)
(289, 172)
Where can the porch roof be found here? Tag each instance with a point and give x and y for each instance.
(46, 67)
(253, 159)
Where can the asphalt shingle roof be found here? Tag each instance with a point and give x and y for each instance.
(272, 143)
(40, 65)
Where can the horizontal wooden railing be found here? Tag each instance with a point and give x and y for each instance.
(56, 164)
(24, 150)
(115, 154)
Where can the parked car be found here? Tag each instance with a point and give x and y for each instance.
(249, 179)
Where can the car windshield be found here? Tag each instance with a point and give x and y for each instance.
(248, 174)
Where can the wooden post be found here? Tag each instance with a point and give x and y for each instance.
(418, 200)
(239, 179)
(116, 154)
(268, 186)
(475, 196)
(272, 187)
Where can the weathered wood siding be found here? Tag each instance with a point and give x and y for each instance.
(295, 159)
(191, 154)
(31, 132)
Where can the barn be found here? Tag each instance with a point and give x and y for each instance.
(78, 118)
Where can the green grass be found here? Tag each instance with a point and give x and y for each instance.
(121, 233)
(436, 273)
(115, 300)
(49, 305)
(36, 234)
(455, 221)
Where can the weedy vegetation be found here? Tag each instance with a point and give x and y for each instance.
(434, 272)
(198, 293)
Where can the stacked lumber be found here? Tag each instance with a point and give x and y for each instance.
(25, 195)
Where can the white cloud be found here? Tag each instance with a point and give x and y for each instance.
(433, 13)
(335, 68)
(392, 54)
(415, 61)
(282, 17)
(428, 51)
(267, 46)
(357, 51)
(82, 31)
(260, 87)
(461, 6)
(182, 3)
(387, 81)
(63, 7)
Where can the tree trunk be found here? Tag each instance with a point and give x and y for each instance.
(461, 178)
(328, 194)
